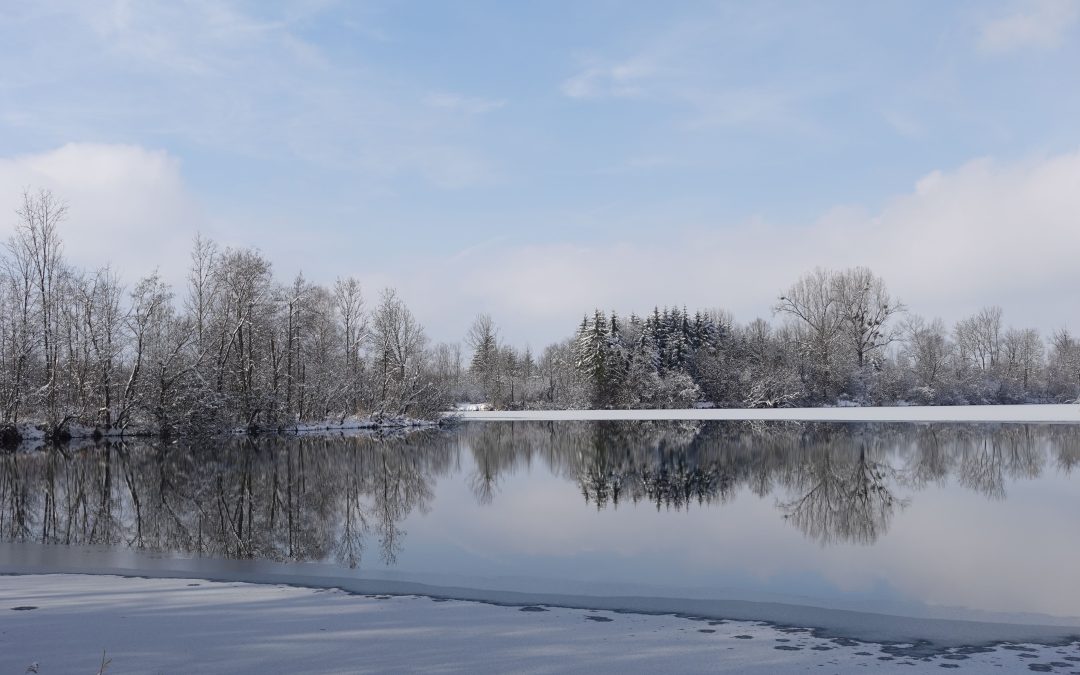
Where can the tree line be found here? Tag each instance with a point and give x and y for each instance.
(837, 337)
(236, 347)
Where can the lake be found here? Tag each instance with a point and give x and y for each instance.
(932, 521)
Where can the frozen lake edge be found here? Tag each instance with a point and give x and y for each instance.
(149, 625)
(933, 633)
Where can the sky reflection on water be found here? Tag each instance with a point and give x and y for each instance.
(893, 518)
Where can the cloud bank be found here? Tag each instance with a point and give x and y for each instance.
(128, 206)
(986, 232)
(1039, 24)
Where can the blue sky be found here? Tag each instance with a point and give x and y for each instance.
(534, 160)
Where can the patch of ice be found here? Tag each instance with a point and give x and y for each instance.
(178, 625)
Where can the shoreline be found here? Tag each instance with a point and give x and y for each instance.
(34, 434)
(1048, 413)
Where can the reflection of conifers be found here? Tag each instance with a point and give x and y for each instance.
(835, 483)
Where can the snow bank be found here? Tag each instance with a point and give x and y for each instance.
(353, 423)
(473, 407)
(64, 623)
(1067, 413)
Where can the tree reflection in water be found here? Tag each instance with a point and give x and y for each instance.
(325, 498)
(843, 495)
(272, 498)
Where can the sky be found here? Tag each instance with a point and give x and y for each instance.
(534, 161)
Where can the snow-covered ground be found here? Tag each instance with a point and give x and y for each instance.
(353, 423)
(961, 413)
(69, 623)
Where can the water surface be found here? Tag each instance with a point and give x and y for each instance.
(955, 521)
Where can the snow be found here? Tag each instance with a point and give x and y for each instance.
(66, 623)
(473, 407)
(353, 423)
(30, 432)
(1067, 413)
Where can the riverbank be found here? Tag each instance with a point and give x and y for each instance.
(30, 435)
(65, 623)
(1068, 413)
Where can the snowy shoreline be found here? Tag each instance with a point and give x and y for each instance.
(28, 435)
(193, 625)
(34, 434)
(1035, 413)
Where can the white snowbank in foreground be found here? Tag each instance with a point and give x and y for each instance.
(959, 413)
(63, 623)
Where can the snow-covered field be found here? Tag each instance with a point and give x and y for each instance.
(961, 413)
(65, 623)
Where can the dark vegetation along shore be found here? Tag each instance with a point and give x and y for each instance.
(83, 354)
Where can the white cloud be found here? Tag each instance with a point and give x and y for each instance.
(984, 233)
(128, 206)
(1040, 24)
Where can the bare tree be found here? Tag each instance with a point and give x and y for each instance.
(814, 306)
(928, 349)
(350, 307)
(39, 240)
(397, 341)
(202, 285)
(865, 308)
(21, 338)
(979, 338)
(1023, 353)
(1064, 365)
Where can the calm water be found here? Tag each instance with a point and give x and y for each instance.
(921, 520)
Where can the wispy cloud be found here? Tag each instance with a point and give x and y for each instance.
(472, 105)
(702, 70)
(1039, 24)
(624, 79)
(246, 80)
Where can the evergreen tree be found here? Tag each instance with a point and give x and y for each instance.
(618, 361)
(593, 358)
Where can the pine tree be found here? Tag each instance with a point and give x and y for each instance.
(648, 342)
(618, 360)
(593, 357)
